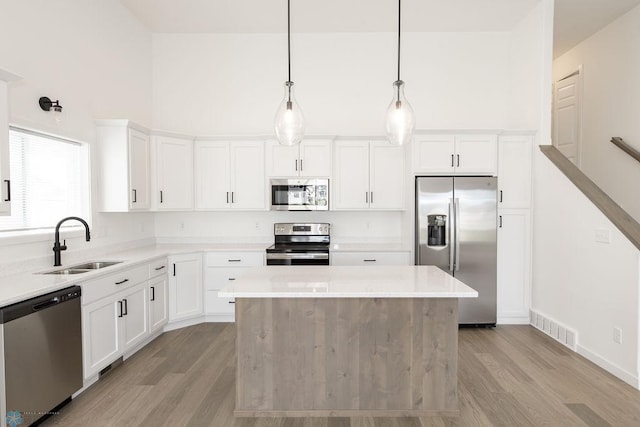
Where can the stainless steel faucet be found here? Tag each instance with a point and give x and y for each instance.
(57, 247)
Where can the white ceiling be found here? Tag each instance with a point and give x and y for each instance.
(575, 20)
(318, 16)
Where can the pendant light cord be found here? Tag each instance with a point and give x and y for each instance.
(399, 21)
(289, 36)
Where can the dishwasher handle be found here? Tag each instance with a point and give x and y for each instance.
(46, 304)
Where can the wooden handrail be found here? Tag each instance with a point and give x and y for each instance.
(619, 142)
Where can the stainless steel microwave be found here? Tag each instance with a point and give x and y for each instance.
(310, 194)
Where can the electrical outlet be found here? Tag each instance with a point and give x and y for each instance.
(257, 225)
(603, 235)
(617, 335)
(181, 225)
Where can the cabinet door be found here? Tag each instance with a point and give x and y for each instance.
(315, 158)
(5, 183)
(248, 189)
(185, 286)
(476, 154)
(135, 318)
(282, 160)
(351, 175)
(433, 154)
(138, 170)
(514, 171)
(158, 309)
(212, 175)
(386, 181)
(174, 173)
(101, 335)
(513, 266)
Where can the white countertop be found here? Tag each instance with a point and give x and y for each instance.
(347, 282)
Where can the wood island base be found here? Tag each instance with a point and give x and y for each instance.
(301, 357)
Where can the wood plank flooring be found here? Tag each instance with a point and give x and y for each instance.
(507, 376)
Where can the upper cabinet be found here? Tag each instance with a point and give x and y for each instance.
(368, 175)
(230, 175)
(172, 164)
(311, 158)
(123, 155)
(514, 171)
(5, 179)
(455, 154)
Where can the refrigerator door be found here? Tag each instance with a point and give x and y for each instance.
(476, 247)
(434, 225)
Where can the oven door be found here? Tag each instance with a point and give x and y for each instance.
(309, 258)
(293, 195)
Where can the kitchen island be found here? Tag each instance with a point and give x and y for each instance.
(347, 341)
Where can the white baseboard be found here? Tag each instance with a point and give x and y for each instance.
(612, 368)
(179, 324)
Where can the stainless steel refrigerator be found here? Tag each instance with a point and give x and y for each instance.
(456, 230)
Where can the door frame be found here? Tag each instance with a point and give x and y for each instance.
(579, 71)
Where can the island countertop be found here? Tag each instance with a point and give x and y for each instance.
(347, 282)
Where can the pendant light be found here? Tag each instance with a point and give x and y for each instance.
(401, 120)
(289, 123)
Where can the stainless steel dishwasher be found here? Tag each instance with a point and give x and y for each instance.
(42, 340)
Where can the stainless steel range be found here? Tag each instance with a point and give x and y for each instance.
(300, 244)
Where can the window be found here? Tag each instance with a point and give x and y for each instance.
(49, 180)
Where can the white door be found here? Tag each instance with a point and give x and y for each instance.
(135, 319)
(212, 175)
(386, 179)
(158, 310)
(138, 170)
(567, 137)
(101, 335)
(282, 160)
(185, 286)
(315, 158)
(351, 175)
(5, 183)
(476, 154)
(248, 189)
(514, 171)
(433, 154)
(174, 173)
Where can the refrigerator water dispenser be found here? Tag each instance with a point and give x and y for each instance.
(436, 226)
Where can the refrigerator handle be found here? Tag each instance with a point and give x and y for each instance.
(451, 226)
(456, 209)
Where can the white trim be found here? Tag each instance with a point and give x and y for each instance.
(610, 367)
(513, 320)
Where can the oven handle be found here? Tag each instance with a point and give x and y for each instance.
(298, 256)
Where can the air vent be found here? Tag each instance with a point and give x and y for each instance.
(559, 332)
(109, 368)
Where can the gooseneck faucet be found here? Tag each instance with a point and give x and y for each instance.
(57, 247)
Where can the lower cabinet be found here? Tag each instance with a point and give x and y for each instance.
(514, 266)
(158, 308)
(371, 258)
(113, 325)
(185, 286)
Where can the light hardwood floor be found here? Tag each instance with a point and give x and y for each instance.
(507, 376)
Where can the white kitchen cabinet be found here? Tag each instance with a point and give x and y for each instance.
(230, 175)
(158, 308)
(221, 269)
(172, 164)
(371, 258)
(123, 156)
(514, 171)
(368, 175)
(310, 158)
(514, 266)
(135, 317)
(5, 178)
(455, 154)
(185, 286)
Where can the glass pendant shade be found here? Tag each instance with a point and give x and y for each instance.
(401, 121)
(289, 123)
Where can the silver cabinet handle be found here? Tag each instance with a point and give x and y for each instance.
(451, 231)
(457, 213)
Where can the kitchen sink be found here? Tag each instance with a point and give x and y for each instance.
(83, 268)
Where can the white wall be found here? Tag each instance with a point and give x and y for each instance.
(588, 286)
(93, 56)
(610, 106)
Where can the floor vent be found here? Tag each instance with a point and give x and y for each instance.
(109, 368)
(555, 330)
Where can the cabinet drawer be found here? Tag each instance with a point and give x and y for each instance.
(218, 305)
(216, 278)
(370, 258)
(158, 267)
(93, 290)
(234, 259)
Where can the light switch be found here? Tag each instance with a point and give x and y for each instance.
(603, 235)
